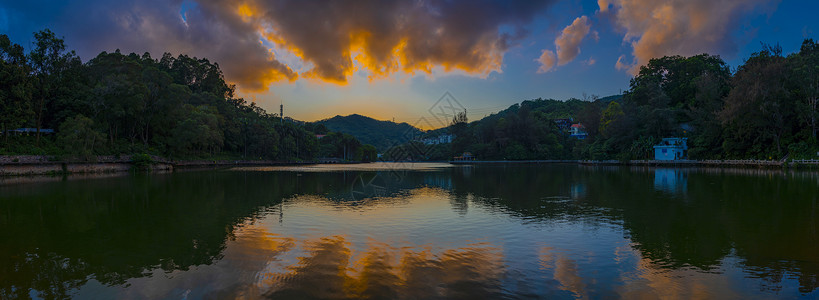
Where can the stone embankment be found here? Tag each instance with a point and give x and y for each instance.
(43, 165)
(691, 163)
(661, 163)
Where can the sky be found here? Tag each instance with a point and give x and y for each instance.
(394, 60)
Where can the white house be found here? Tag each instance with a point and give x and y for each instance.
(441, 139)
(27, 131)
(671, 149)
(578, 131)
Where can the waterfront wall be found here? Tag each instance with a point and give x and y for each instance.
(43, 168)
(43, 165)
(15, 165)
(660, 163)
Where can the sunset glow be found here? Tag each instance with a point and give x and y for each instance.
(405, 54)
(409, 149)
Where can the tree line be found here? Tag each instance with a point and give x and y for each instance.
(765, 109)
(182, 107)
(179, 107)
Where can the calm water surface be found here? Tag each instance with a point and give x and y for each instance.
(413, 231)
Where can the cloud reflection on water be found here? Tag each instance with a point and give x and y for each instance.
(432, 234)
(255, 265)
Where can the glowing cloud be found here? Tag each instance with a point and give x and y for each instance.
(679, 27)
(621, 64)
(324, 41)
(158, 26)
(547, 61)
(567, 44)
(384, 37)
(604, 5)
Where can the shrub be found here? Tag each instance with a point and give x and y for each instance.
(78, 137)
(142, 161)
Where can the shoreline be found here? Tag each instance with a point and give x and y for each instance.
(747, 163)
(28, 165)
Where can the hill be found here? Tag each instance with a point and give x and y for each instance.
(381, 134)
(549, 108)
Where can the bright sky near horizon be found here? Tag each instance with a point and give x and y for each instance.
(395, 59)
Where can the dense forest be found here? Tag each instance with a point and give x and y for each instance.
(177, 107)
(765, 109)
(181, 107)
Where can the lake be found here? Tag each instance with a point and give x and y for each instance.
(413, 231)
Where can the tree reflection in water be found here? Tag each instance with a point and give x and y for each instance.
(767, 218)
(203, 234)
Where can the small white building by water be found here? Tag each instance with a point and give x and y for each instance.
(441, 139)
(671, 149)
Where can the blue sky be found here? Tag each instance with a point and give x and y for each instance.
(318, 57)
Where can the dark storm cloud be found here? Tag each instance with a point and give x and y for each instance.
(156, 26)
(382, 36)
(392, 35)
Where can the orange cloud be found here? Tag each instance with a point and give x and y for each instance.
(383, 272)
(678, 27)
(621, 64)
(329, 40)
(245, 11)
(208, 30)
(604, 5)
(567, 44)
(547, 61)
(565, 272)
(385, 37)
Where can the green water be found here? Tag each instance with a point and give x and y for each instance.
(413, 231)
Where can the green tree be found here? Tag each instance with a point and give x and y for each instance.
(676, 77)
(199, 132)
(706, 130)
(78, 137)
(263, 141)
(368, 153)
(161, 98)
(611, 120)
(17, 88)
(589, 115)
(758, 112)
(675, 96)
(119, 95)
(459, 127)
(48, 59)
(805, 77)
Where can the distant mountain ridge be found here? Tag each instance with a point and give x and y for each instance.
(385, 134)
(381, 134)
